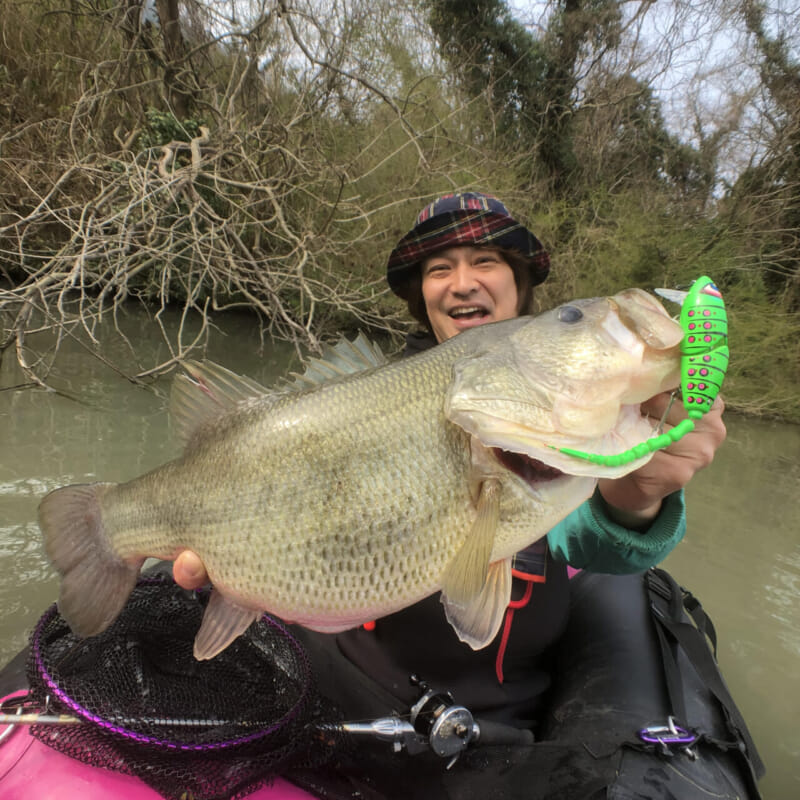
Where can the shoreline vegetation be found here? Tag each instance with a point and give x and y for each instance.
(168, 155)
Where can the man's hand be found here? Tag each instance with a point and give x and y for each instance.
(635, 499)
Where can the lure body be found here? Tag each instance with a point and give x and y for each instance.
(705, 347)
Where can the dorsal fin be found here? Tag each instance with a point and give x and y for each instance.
(204, 392)
(343, 358)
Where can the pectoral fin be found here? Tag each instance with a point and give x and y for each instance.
(478, 622)
(466, 573)
(222, 622)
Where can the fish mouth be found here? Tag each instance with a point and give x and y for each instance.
(530, 470)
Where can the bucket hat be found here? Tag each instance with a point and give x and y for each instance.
(465, 218)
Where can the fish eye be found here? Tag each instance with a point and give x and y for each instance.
(570, 314)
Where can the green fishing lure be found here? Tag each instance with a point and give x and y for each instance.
(704, 362)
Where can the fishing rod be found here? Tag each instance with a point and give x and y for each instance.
(435, 722)
(704, 362)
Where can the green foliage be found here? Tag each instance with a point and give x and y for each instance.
(163, 127)
(495, 56)
(623, 138)
(530, 85)
(611, 240)
(765, 201)
(765, 371)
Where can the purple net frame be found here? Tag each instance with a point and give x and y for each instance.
(118, 730)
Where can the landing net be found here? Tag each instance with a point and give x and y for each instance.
(190, 729)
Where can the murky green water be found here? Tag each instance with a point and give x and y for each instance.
(741, 556)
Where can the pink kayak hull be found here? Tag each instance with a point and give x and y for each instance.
(29, 769)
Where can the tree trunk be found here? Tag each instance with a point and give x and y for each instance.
(179, 94)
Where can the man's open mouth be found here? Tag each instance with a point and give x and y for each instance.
(468, 312)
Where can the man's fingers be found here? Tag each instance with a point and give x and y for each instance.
(189, 571)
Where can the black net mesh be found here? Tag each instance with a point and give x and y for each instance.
(190, 729)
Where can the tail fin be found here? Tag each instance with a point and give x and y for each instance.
(95, 581)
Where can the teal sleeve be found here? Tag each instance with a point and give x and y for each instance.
(589, 539)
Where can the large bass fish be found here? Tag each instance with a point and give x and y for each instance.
(363, 493)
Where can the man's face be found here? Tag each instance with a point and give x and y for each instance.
(467, 286)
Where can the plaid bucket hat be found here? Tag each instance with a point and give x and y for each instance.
(463, 219)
